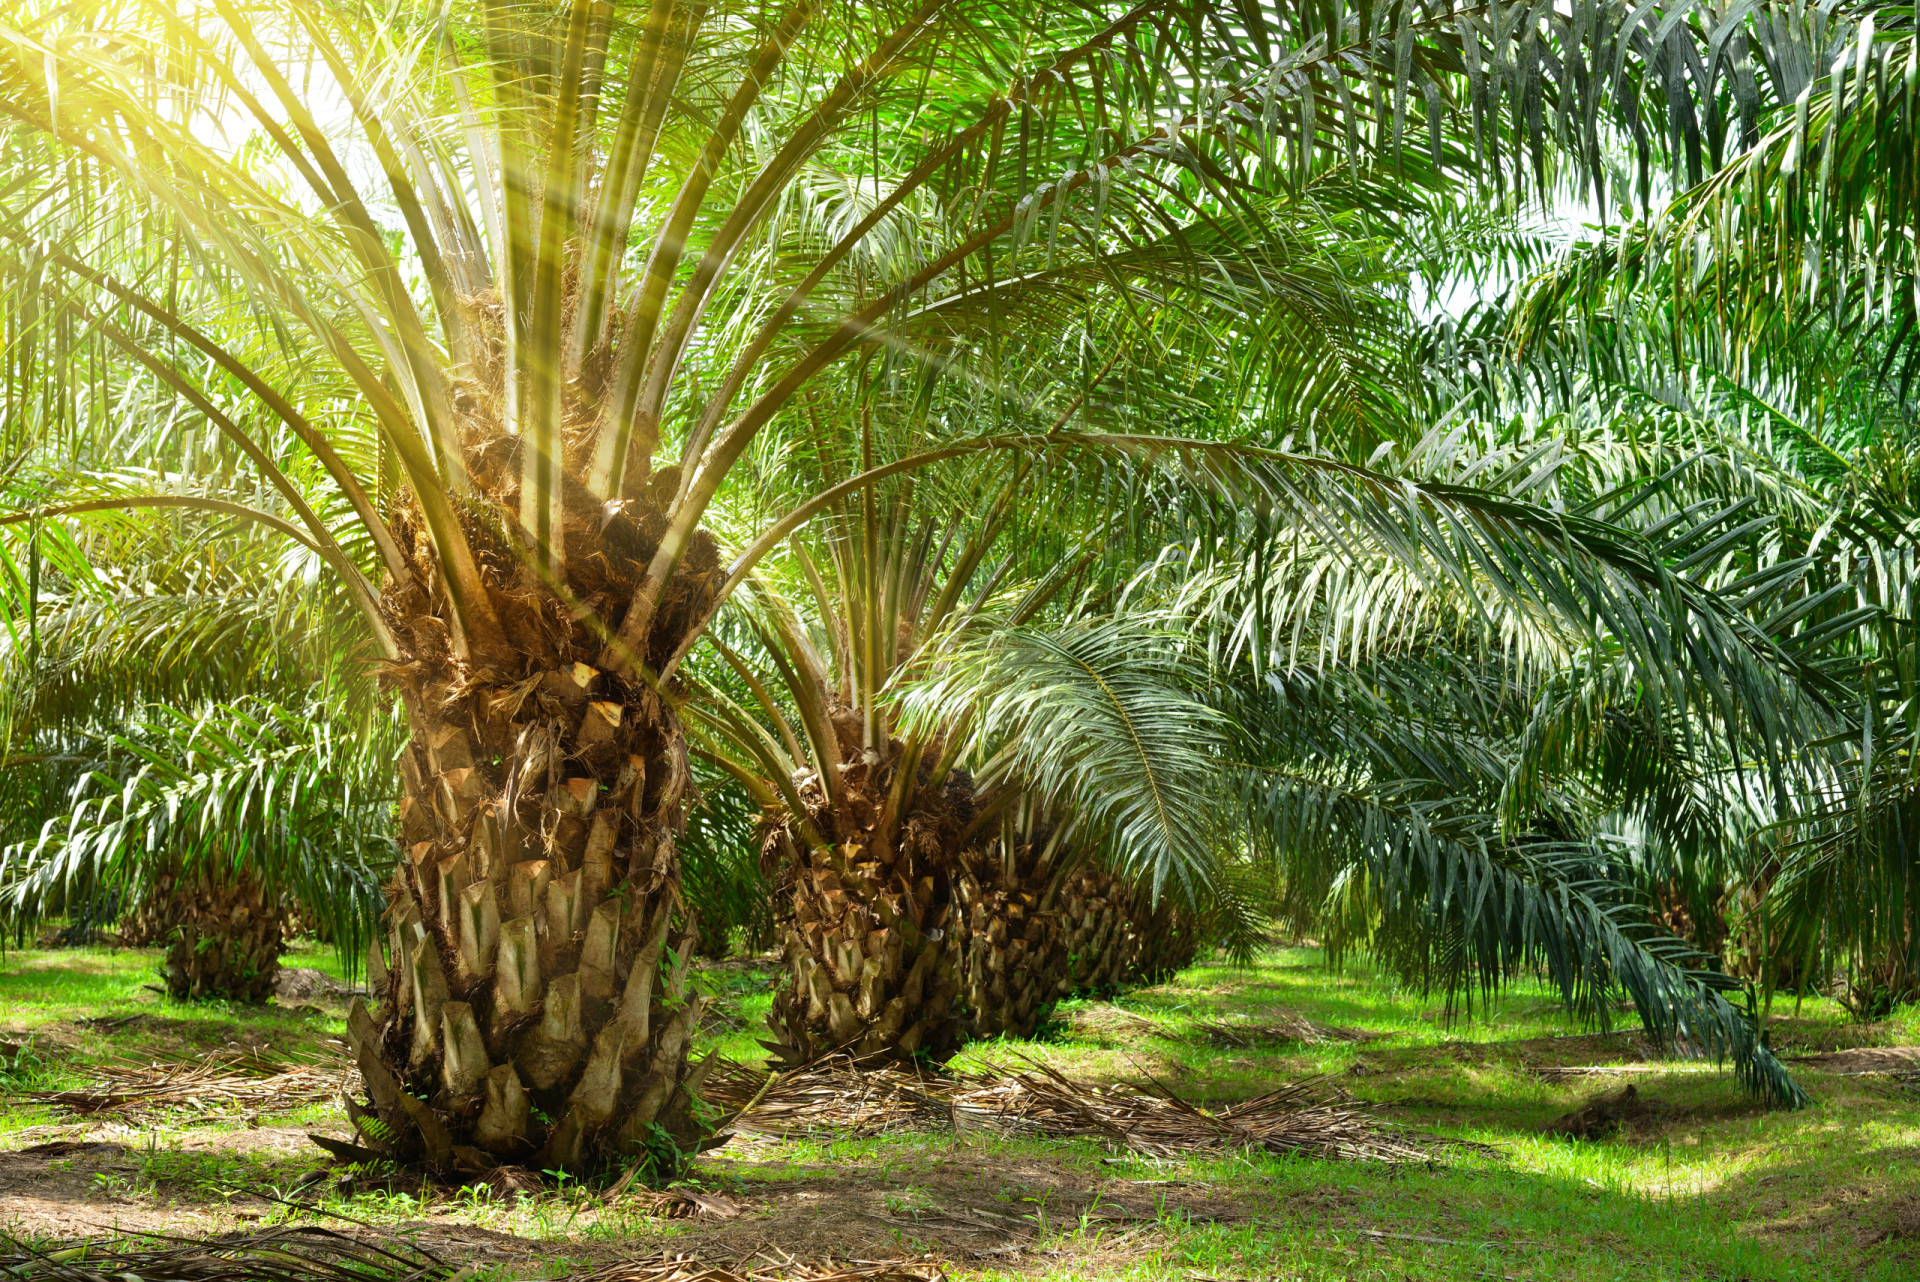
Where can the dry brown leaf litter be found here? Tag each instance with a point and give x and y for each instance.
(682, 1268)
(1310, 1118)
(220, 1081)
(305, 1254)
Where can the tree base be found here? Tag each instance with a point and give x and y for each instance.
(224, 938)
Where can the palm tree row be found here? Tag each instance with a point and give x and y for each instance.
(537, 333)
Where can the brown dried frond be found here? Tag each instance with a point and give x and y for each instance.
(285, 1254)
(831, 1097)
(221, 1081)
(684, 1268)
(1310, 1118)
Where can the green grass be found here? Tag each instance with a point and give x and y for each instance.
(65, 1007)
(1714, 1187)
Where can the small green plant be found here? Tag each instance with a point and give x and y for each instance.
(477, 1199)
(24, 1068)
(112, 1183)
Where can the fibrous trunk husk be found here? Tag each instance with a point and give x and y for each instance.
(1116, 937)
(866, 924)
(223, 933)
(1012, 948)
(531, 998)
(1163, 939)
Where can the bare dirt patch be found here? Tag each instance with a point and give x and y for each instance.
(1607, 1113)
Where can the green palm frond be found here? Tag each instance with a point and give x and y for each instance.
(1453, 901)
(300, 802)
(1101, 722)
(1375, 792)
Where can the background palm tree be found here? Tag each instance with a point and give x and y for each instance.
(918, 903)
(190, 749)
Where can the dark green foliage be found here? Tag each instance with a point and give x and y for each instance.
(255, 789)
(720, 860)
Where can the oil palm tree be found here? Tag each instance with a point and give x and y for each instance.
(1454, 783)
(500, 401)
(1772, 303)
(213, 824)
(1809, 410)
(919, 904)
(877, 846)
(174, 760)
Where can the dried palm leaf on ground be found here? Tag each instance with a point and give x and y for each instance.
(1281, 1026)
(1310, 1118)
(222, 1080)
(684, 1268)
(686, 1204)
(670, 1204)
(273, 1255)
(829, 1097)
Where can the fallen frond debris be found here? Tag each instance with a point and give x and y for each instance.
(671, 1204)
(1281, 1026)
(833, 1097)
(1311, 1118)
(275, 1255)
(223, 1080)
(683, 1268)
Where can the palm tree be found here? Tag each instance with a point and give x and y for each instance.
(880, 851)
(211, 825)
(576, 271)
(1810, 416)
(173, 757)
(1771, 306)
(1460, 809)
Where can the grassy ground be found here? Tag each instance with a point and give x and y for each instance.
(1708, 1185)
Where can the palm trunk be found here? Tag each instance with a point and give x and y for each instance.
(1094, 910)
(865, 928)
(224, 936)
(532, 997)
(1163, 940)
(1116, 937)
(1013, 950)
